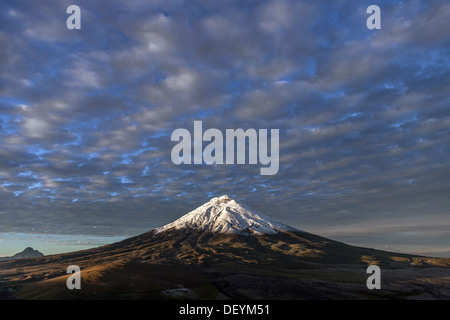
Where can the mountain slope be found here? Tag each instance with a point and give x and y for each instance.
(225, 249)
(223, 215)
(223, 231)
(26, 253)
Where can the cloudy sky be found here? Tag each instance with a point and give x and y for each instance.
(86, 117)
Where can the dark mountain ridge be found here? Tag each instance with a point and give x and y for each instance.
(225, 250)
(26, 253)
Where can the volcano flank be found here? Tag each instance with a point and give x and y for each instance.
(224, 250)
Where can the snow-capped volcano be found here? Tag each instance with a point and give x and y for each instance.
(224, 215)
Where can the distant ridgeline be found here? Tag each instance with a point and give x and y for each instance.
(27, 253)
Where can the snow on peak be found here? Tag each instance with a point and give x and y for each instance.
(224, 215)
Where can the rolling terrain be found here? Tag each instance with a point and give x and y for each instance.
(225, 250)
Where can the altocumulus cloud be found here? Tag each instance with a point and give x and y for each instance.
(86, 115)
